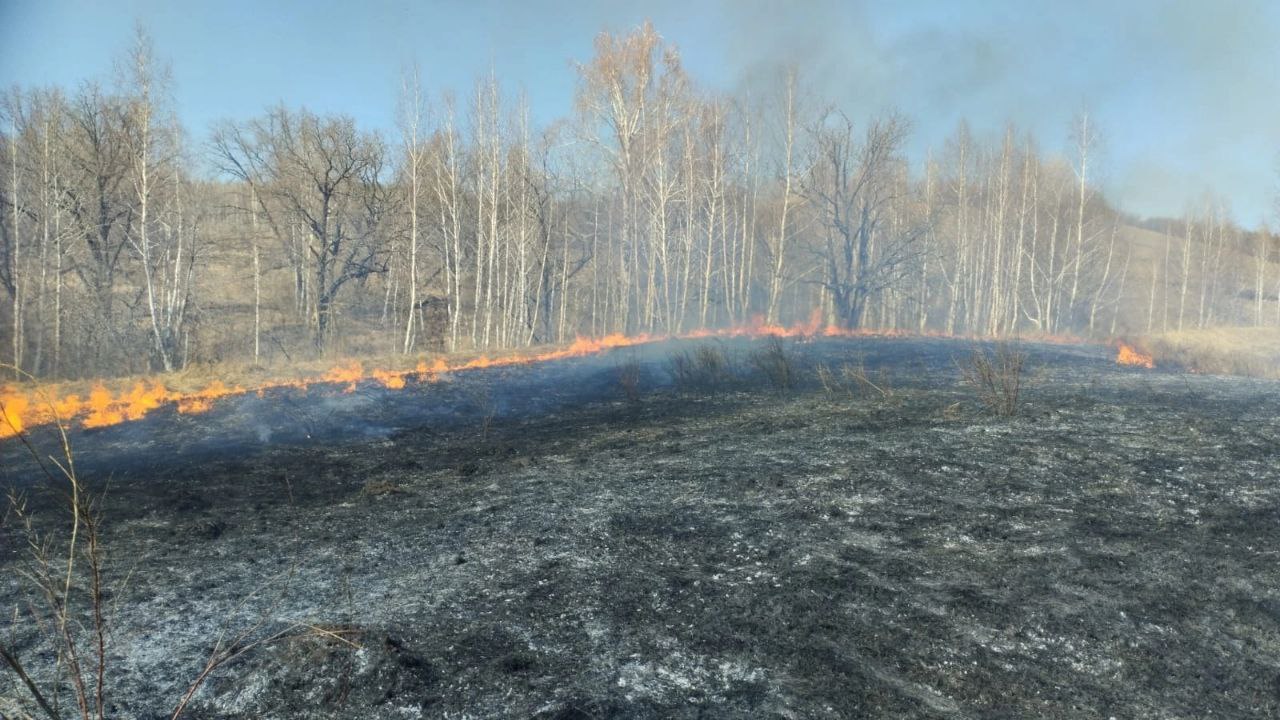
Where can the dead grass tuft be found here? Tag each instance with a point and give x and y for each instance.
(628, 374)
(776, 364)
(852, 379)
(382, 488)
(704, 368)
(997, 376)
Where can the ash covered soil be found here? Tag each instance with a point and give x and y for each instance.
(736, 551)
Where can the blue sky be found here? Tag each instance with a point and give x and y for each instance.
(1186, 92)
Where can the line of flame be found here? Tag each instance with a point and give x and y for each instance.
(19, 410)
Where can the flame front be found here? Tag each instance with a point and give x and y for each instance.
(20, 411)
(1127, 355)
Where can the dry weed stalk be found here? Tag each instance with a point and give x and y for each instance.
(776, 363)
(853, 379)
(379, 488)
(857, 374)
(256, 634)
(705, 368)
(54, 572)
(830, 382)
(628, 374)
(67, 574)
(997, 376)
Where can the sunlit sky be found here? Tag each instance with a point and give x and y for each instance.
(1186, 93)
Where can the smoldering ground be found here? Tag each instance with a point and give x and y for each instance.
(727, 551)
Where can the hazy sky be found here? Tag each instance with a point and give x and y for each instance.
(1185, 92)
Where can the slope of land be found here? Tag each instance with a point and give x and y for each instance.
(1252, 351)
(1114, 550)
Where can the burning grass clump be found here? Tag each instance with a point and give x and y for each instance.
(997, 375)
(703, 369)
(776, 364)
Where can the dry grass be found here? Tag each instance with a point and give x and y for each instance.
(776, 364)
(628, 373)
(852, 379)
(1250, 351)
(380, 488)
(706, 367)
(997, 376)
(68, 603)
(198, 376)
(247, 376)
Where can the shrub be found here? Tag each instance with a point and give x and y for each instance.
(776, 363)
(65, 569)
(628, 374)
(706, 367)
(997, 376)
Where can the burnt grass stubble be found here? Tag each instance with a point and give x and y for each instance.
(735, 552)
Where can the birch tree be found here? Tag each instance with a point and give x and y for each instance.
(411, 118)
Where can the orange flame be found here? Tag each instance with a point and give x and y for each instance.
(1127, 355)
(350, 374)
(19, 411)
(12, 408)
(390, 379)
(202, 400)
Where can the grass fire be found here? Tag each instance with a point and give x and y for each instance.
(689, 369)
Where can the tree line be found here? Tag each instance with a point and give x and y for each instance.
(654, 206)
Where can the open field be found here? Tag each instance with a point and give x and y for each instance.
(527, 542)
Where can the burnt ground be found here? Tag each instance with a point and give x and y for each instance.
(736, 551)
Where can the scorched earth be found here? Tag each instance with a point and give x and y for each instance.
(529, 542)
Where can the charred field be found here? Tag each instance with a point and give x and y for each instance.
(532, 542)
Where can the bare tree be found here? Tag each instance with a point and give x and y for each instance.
(778, 248)
(157, 235)
(14, 275)
(632, 96)
(101, 210)
(411, 121)
(664, 208)
(323, 174)
(850, 184)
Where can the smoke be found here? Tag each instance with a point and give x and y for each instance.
(1186, 93)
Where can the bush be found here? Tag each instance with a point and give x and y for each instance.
(706, 367)
(628, 374)
(776, 363)
(997, 376)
